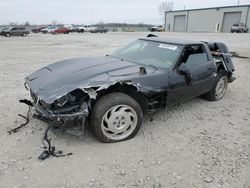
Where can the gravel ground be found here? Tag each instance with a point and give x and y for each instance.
(193, 144)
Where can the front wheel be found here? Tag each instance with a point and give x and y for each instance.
(219, 88)
(116, 117)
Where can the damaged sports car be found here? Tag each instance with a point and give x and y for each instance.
(112, 93)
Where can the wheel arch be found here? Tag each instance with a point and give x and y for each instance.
(129, 90)
(222, 68)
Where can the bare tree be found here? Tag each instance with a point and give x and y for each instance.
(165, 6)
(54, 22)
(27, 23)
(100, 23)
(13, 23)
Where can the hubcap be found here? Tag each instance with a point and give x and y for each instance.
(221, 88)
(119, 122)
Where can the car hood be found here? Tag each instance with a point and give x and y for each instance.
(56, 80)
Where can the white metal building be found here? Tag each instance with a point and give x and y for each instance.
(217, 19)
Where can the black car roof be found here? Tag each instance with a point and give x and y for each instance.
(168, 40)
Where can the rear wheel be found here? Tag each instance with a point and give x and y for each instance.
(219, 88)
(24, 34)
(116, 117)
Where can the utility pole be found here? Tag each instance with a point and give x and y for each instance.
(238, 2)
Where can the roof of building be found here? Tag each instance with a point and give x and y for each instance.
(209, 8)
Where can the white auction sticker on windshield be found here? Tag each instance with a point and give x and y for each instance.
(167, 46)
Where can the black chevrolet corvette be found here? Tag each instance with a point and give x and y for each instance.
(112, 93)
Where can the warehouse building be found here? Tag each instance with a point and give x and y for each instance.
(217, 19)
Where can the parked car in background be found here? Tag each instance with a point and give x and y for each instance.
(239, 28)
(48, 29)
(100, 29)
(3, 28)
(37, 29)
(85, 28)
(62, 30)
(156, 29)
(15, 31)
(72, 28)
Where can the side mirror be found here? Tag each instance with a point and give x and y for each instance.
(183, 69)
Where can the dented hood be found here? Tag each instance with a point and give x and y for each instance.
(58, 79)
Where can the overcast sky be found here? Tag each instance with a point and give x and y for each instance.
(93, 11)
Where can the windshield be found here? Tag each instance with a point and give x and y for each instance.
(145, 52)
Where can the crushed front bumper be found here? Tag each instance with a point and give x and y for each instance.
(61, 115)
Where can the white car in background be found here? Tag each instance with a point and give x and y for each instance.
(239, 28)
(85, 28)
(49, 29)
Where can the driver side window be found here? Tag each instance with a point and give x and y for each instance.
(194, 55)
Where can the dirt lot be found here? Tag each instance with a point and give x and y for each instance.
(193, 144)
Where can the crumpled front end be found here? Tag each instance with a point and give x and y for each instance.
(72, 106)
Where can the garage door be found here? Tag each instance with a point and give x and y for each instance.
(229, 19)
(179, 23)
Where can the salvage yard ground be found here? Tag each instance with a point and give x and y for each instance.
(193, 144)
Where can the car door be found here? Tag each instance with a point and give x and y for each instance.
(19, 31)
(202, 72)
(178, 87)
(13, 31)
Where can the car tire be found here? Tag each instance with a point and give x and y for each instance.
(116, 117)
(24, 34)
(219, 88)
(7, 34)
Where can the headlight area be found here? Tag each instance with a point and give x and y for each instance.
(72, 99)
(74, 105)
